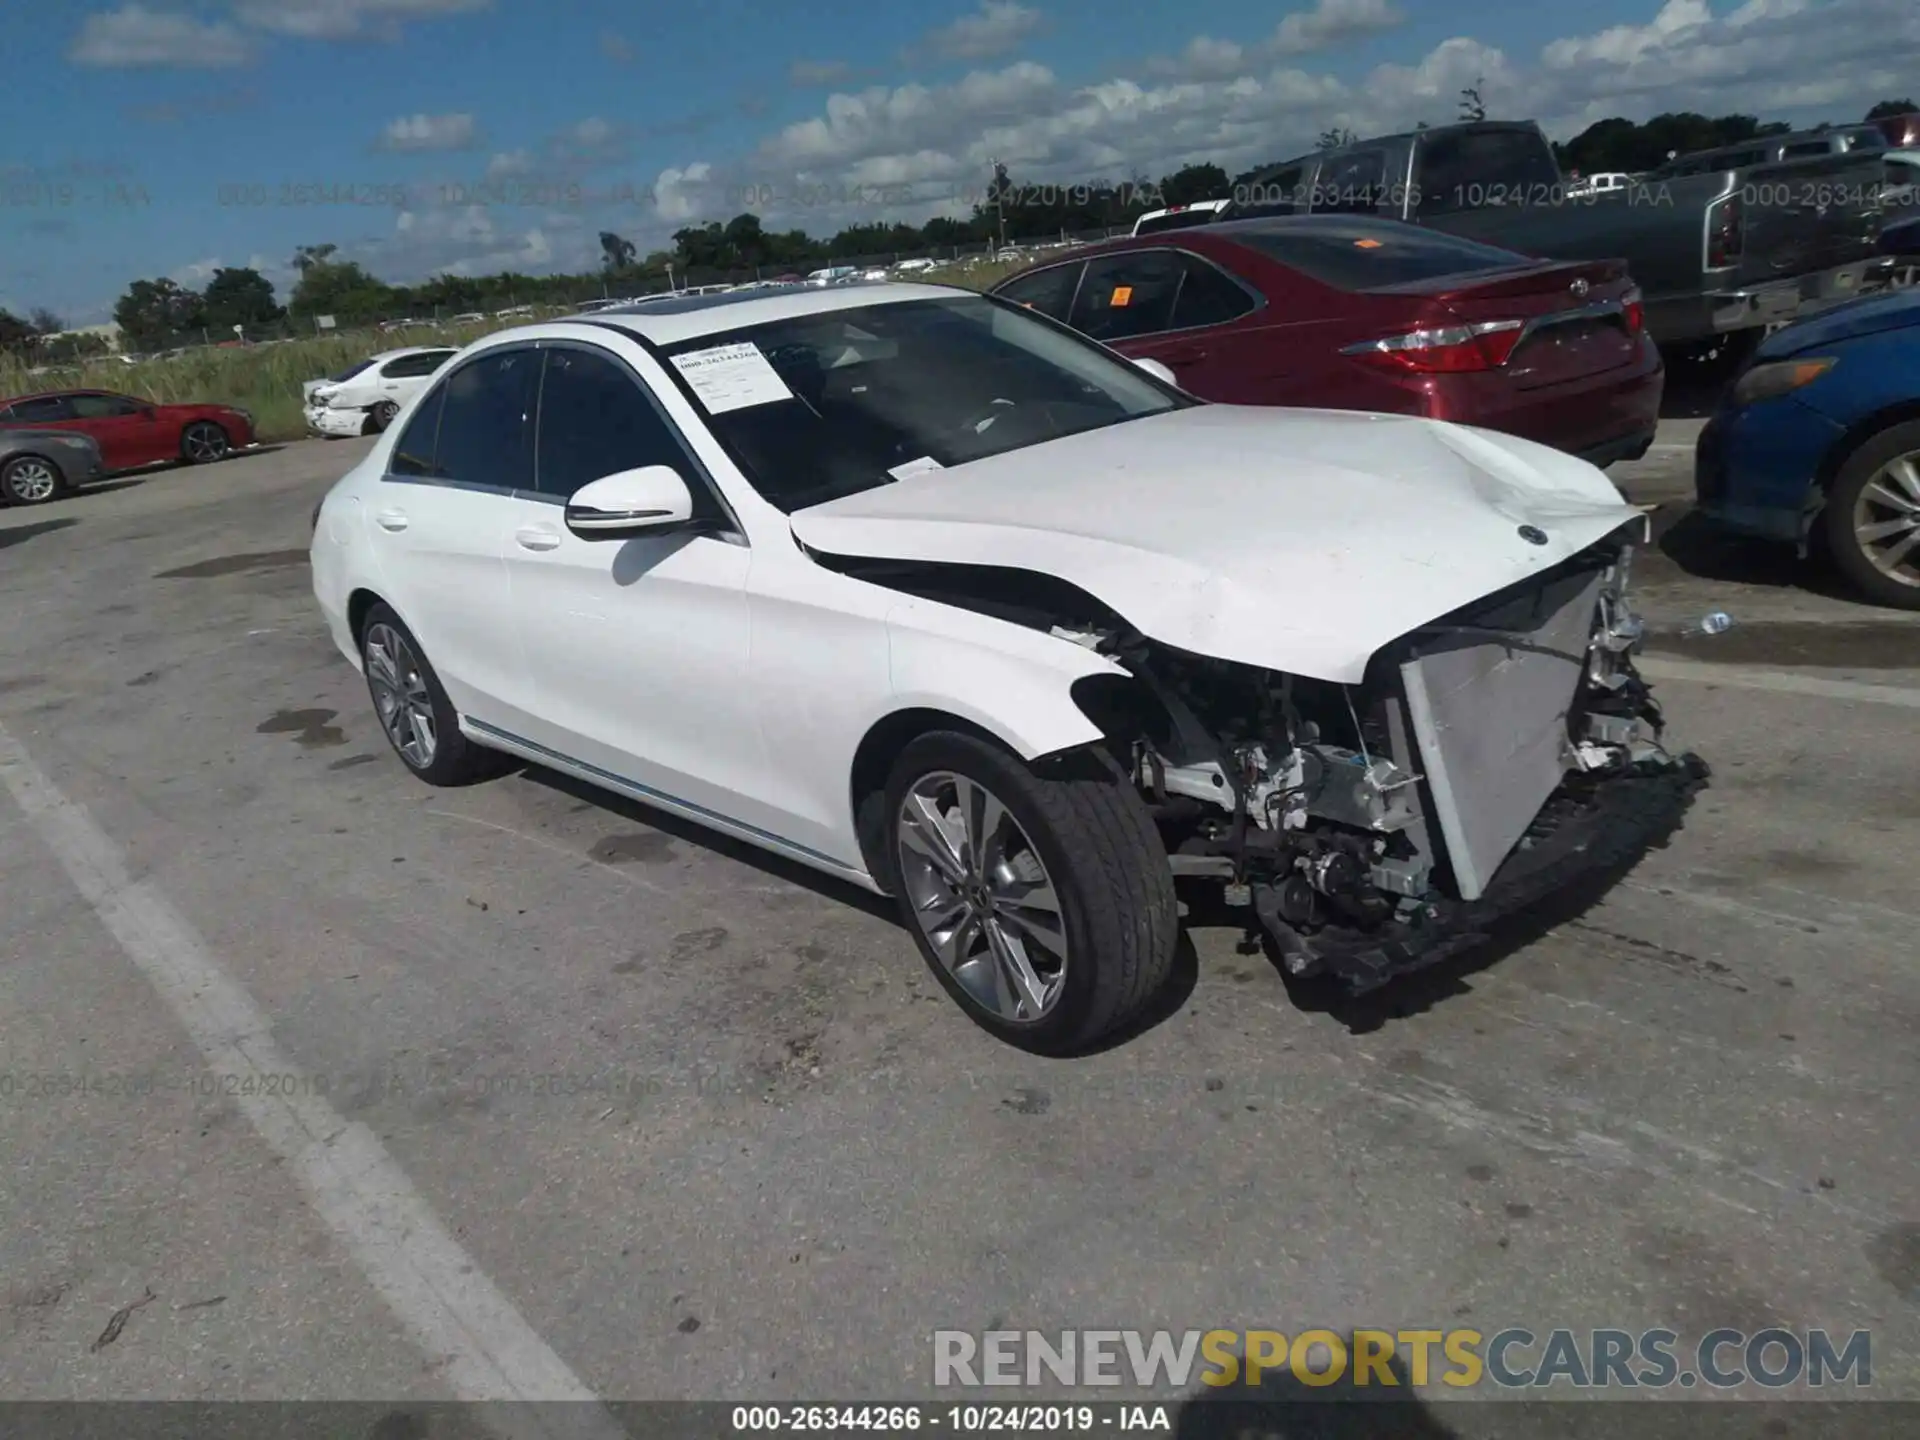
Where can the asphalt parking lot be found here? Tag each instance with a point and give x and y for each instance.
(776, 1157)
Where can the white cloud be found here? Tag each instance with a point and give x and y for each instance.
(472, 240)
(509, 164)
(995, 28)
(1331, 22)
(1205, 58)
(429, 132)
(819, 72)
(134, 37)
(686, 194)
(346, 19)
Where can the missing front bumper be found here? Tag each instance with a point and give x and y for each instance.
(1592, 829)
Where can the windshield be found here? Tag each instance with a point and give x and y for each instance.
(830, 404)
(348, 373)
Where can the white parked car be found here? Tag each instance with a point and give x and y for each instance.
(936, 596)
(364, 399)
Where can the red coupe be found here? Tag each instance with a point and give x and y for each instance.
(1350, 313)
(133, 432)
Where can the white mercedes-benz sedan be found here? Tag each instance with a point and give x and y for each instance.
(928, 592)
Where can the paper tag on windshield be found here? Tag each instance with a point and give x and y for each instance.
(915, 467)
(732, 377)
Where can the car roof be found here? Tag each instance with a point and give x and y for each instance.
(69, 390)
(668, 322)
(1201, 237)
(409, 350)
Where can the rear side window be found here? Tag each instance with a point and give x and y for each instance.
(413, 452)
(486, 427)
(1475, 169)
(43, 411)
(1048, 291)
(409, 367)
(1123, 296)
(1208, 297)
(351, 371)
(1370, 255)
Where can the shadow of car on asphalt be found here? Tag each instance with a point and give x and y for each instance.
(20, 534)
(1283, 1407)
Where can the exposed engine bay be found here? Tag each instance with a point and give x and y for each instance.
(1487, 759)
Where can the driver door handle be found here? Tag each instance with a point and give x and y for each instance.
(537, 537)
(391, 520)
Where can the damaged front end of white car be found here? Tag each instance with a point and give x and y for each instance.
(1488, 760)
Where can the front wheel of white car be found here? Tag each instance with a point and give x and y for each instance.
(1040, 896)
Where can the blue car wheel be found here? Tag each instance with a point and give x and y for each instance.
(1872, 517)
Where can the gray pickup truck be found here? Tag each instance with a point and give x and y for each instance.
(1732, 241)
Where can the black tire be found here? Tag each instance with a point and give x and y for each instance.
(1848, 552)
(24, 481)
(1106, 864)
(382, 415)
(454, 759)
(205, 443)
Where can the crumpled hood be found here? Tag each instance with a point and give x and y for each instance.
(1297, 540)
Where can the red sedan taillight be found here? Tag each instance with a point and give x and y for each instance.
(1444, 350)
(1636, 311)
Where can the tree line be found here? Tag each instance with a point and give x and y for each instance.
(156, 313)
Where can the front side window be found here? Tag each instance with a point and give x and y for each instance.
(595, 421)
(1484, 169)
(1124, 296)
(831, 404)
(103, 407)
(1352, 182)
(1048, 291)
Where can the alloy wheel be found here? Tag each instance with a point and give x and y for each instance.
(1886, 519)
(205, 442)
(982, 897)
(401, 697)
(31, 481)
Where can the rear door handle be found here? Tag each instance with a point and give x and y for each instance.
(391, 519)
(534, 537)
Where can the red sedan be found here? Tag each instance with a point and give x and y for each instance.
(1350, 313)
(133, 432)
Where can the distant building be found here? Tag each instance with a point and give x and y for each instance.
(108, 332)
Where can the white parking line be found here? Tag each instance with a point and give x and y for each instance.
(452, 1311)
(1780, 682)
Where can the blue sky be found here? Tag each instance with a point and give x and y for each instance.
(474, 135)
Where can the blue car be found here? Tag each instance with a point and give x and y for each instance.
(1818, 443)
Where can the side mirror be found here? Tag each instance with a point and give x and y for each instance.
(1157, 370)
(647, 501)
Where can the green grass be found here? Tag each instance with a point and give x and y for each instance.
(265, 380)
